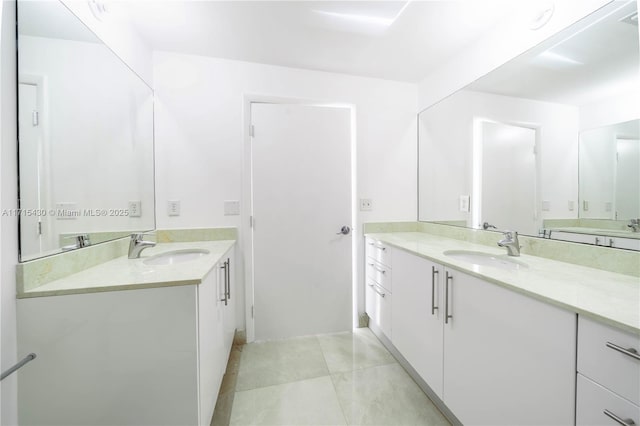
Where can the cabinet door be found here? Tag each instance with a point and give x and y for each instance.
(417, 315)
(508, 359)
(210, 356)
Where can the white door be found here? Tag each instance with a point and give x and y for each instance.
(30, 170)
(509, 177)
(301, 190)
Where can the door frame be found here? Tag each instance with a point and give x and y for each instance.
(246, 230)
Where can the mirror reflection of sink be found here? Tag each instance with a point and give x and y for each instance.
(175, 256)
(486, 259)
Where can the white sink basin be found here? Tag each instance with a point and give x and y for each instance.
(175, 256)
(486, 259)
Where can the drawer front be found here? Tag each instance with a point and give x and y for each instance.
(593, 400)
(378, 251)
(599, 360)
(379, 273)
(381, 301)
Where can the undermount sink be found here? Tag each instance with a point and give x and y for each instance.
(175, 256)
(486, 259)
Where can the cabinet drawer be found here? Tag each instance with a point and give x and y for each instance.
(599, 360)
(379, 307)
(593, 400)
(378, 251)
(379, 273)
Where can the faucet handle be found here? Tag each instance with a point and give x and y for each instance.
(510, 234)
(138, 236)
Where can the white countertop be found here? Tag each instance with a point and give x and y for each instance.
(606, 296)
(130, 274)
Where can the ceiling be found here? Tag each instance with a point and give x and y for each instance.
(392, 40)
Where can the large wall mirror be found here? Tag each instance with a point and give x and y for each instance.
(547, 144)
(85, 123)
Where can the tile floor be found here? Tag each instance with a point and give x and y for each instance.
(333, 379)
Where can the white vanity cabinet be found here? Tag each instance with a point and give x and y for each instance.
(608, 375)
(492, 355)
(152, 356)
(508, 359)
(417, 315)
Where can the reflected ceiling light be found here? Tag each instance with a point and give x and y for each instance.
(556, 58)
(364, 19)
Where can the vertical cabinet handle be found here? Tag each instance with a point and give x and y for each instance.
(434, 272)
(617, 419)
(225, 300)
(228, 278)
(446, 297)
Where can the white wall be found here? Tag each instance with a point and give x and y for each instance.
(446, 151)
(506, 41)
(199, 136)
(9, 200)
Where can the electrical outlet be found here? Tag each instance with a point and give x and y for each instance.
(463, 203)
(231, 207)
(173, 207)
(585, 205)
(546, 206)
(608, 206)
(571, 205)
(366, 204)
(67, 211)
(135, 208)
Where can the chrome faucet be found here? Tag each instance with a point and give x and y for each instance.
(511, 243)
(137, 244)
(79, 241)
(634, 224)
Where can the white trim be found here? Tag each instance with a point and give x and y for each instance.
(246, 235)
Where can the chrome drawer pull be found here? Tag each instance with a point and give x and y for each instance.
(370, 243)
(377, 291)
(381, 248)
(633, 353)
(434, 272)
(619, 420)
(380, 270)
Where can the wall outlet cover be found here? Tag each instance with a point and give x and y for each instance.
(463, 203)
(173, 207)
(608, 206)
(571, 205)
(366, 204)
(135, 208)
(231, 207)
(67, 210)
(546, 206)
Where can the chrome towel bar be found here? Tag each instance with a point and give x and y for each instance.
(19, 365)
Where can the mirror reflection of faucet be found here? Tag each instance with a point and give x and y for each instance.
(487, 225)
(81, 240)
(634, 224)
(511, 243)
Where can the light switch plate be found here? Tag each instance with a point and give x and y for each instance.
(585, 206)
(135, 208)
(608, 206)
(231, 207)
(366, 204)
(463, 203)
(546, 206)
(571, 205)
(173, 207)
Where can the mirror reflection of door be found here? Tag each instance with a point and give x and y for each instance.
(508, 188)
(627, 196)
(33, 223)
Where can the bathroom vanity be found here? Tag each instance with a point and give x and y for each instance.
(126, 342)
(497, 341)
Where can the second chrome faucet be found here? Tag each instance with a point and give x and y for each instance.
(511, 243)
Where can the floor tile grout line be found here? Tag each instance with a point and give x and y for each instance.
(283, 383)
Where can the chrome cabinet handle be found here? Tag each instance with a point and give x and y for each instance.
(446, 298)
(227, 278)
(225, 300)
(617, 419)
(382, 271)
(371, 243)
(381, 248)
(633, 353)
(434, 272)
